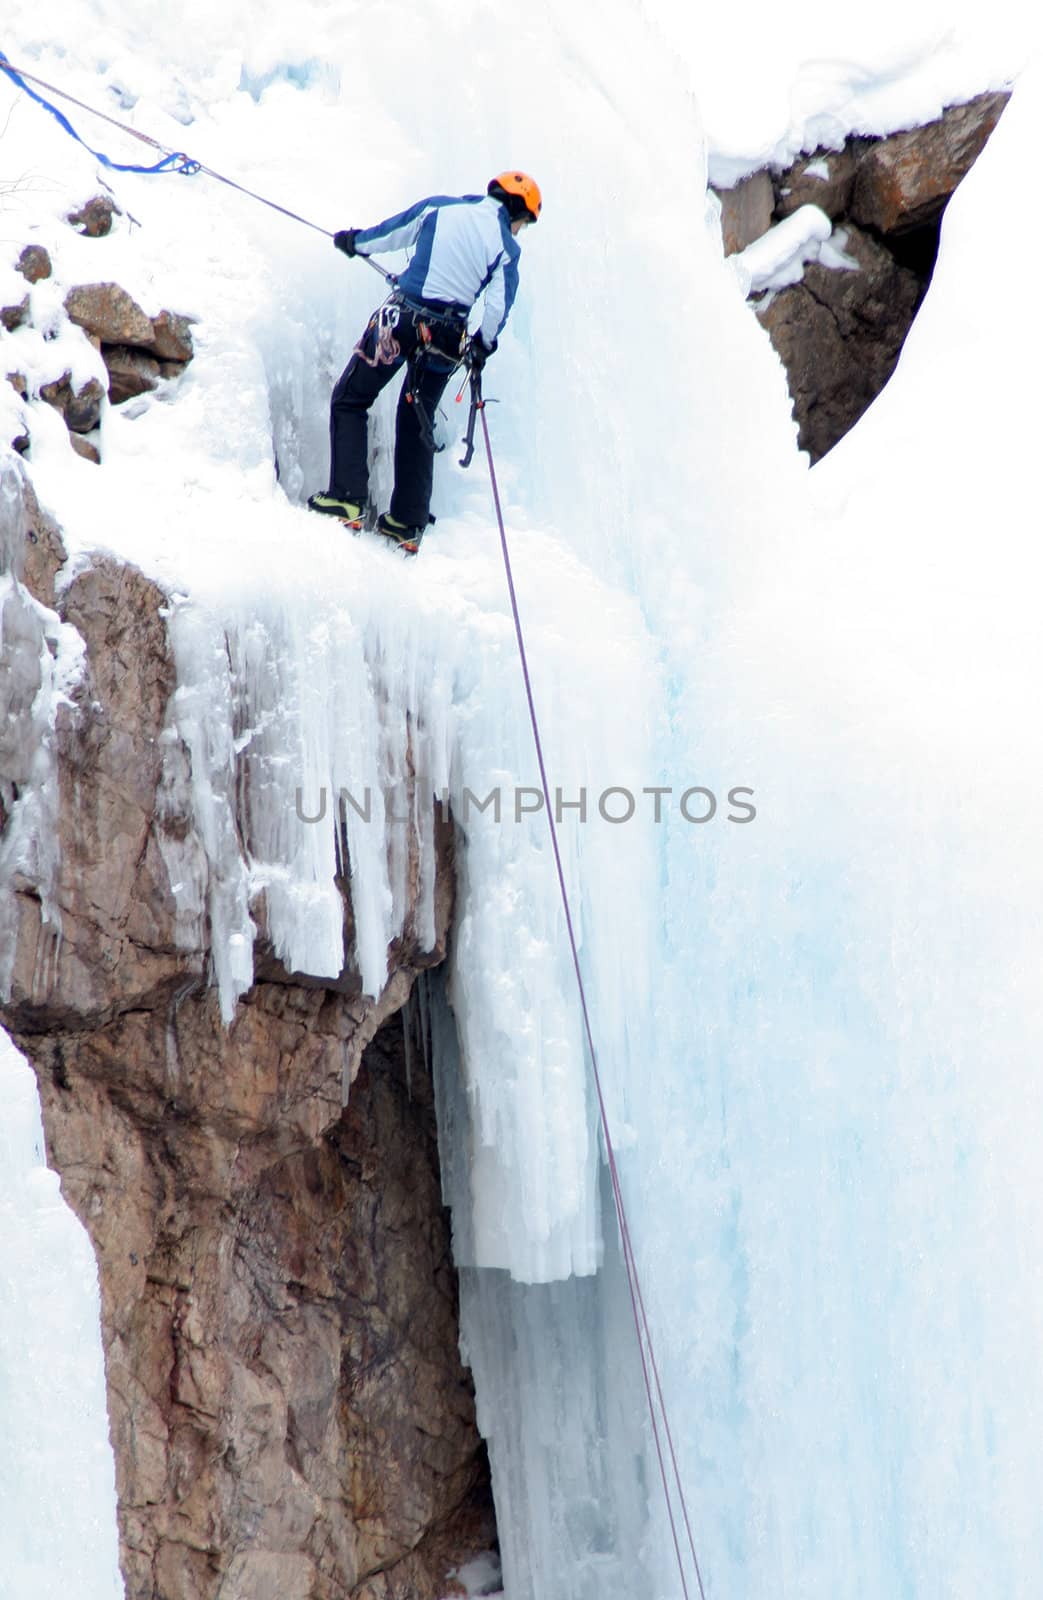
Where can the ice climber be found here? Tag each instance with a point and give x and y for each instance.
(461, 247)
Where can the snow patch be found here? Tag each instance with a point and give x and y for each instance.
(57, 1475)
(482, 1576)
(779, 256)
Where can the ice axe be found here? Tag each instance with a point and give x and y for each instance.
(478, 403)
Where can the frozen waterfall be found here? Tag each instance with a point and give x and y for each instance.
(819, 1024)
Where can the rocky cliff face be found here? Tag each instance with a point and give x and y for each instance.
(839, 332)
(288, 1409)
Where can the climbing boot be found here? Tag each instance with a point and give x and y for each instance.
(402, 536)
(330, 505)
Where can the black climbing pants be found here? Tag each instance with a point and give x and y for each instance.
(429, 346)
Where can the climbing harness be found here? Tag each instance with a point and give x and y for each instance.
(661, 1430)
(443, 338)
(386, 348)
(440, 338)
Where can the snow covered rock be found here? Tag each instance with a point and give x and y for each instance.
(59, 365)
(94, 219)
(824, 179)
(15, 316)
(80, 407)
(905, 180)
(108, 312)
(34, 263)
(138, 350)
(839, 334)
(838, 313)
(778, 257)
(171, 337)
(83, 447)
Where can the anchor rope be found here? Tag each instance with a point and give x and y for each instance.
(657, 1407)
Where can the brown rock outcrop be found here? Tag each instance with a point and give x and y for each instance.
(117, 946)
(34, 263)
(839, 334)
(81, 408)
(108, 315)
(797, 187)
(108, 311)
(137, 350)
(85, 448)
(904, 181)
(746, 211)
(288, 1411)
(12, 317)
(94, 218)
(31, 545)
(172, 337)
(131, 372)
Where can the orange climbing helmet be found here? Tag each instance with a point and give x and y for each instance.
(519, 193)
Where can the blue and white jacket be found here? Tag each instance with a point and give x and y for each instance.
(461, 246)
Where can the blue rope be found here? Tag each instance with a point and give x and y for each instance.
(175, 161)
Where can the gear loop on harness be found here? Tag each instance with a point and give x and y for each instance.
(386, 349)
(443, 332)
(442, 336)
(441, 339)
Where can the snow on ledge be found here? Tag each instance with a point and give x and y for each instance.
(777, 258)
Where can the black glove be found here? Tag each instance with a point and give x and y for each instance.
(345, 240)
(478, 352)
